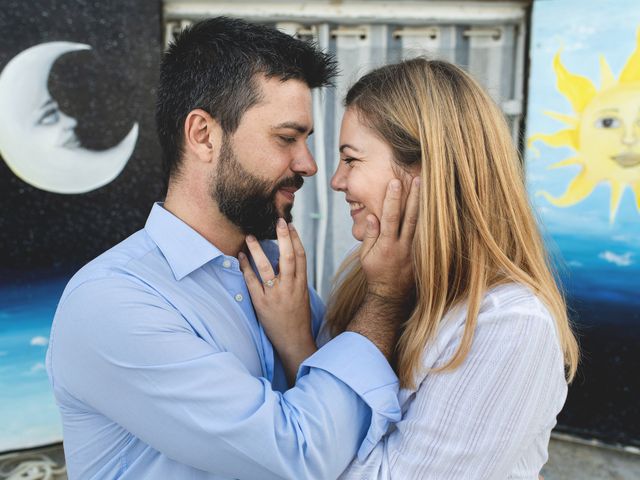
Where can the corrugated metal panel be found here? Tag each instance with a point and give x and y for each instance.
(486, 38)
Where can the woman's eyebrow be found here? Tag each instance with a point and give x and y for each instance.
(346, 145)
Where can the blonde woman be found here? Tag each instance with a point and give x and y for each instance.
(485, 354)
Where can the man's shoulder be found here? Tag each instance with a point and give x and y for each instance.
(127, 259)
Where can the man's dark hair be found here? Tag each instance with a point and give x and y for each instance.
(213, 65)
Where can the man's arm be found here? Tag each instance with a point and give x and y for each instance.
(127, 354)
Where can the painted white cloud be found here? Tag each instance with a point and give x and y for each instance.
(39, 341)
(623, 260)
(37, 367)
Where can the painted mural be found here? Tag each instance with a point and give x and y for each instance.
(79, 170)
(583, 172)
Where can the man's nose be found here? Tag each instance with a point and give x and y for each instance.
(303, 163)
(339, 179)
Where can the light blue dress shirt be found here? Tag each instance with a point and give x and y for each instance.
(161, 370)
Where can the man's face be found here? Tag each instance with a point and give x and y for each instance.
(247, 200)
(262, 163)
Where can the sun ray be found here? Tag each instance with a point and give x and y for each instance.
(631, 71)
(561, 117)
(566, 162)
(636, 190)
(563, 138)
(617, 189)
(578, 89)
(579, 188)
(607, 79)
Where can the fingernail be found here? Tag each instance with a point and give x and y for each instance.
(394, 185)
(416, 181)
(241, 256)
(370, 223)
(251, 238)
(282, 223)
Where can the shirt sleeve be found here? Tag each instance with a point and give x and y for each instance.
(476, 421)
(122, 350)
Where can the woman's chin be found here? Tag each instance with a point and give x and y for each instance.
(357, 231)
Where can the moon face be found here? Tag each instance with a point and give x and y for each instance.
(37, 140)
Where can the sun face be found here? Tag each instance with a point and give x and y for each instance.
(605, 132)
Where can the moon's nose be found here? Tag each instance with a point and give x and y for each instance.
(68, 122)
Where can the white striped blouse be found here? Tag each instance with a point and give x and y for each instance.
(491, 418)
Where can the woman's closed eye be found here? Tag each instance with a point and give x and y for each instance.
(349, 160)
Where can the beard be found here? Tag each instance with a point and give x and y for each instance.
(249, 202)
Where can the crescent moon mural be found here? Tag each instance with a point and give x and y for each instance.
(37, 140)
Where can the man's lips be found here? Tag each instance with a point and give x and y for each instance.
(288, 192)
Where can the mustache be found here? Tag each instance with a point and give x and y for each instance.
(295, 180)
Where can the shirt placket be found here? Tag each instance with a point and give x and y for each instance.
(236, 287)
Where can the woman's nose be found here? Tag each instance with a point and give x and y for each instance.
(339, 179)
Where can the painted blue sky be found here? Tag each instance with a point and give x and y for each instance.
(582, 232)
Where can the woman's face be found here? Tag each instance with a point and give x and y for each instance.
(364, 171)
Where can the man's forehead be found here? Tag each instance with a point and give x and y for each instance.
(286, 104)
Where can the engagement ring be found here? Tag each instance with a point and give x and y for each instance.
(269, 283)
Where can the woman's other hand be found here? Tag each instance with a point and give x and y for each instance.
(386, 253)
(282, 302)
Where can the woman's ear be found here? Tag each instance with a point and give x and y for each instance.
(202, 136)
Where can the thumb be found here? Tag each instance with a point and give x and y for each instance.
(371, 235)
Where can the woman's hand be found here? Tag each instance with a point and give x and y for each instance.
(387, 248)
(282, 302)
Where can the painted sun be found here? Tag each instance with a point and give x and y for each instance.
(604, 132)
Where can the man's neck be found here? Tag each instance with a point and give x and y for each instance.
(204, 217)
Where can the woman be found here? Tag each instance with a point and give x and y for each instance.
(484, 356)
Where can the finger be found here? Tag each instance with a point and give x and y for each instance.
(391, 210)
(300, 255)
(265, 270)
(410, 219)
(287, 260)
(253, 284)
(371, 235)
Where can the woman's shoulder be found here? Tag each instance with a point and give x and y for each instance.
(513, 298)
(509, 314)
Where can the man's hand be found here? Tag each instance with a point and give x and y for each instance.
(387, 261)
(386, 253)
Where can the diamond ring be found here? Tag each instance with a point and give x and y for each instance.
(269, 283)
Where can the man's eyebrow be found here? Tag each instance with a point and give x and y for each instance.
(346, 145)
(295, 126)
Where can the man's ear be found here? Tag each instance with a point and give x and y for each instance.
(202, 136)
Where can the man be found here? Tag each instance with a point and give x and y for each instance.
(158, 364)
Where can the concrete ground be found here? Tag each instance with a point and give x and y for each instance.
(568, 460)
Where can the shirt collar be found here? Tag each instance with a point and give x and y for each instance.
(184, 249)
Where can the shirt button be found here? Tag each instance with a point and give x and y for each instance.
(226, 263)
(238, 297)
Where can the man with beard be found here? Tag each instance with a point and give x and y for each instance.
(158, 364)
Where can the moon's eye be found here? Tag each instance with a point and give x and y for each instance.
(49, 117)
(607, 122)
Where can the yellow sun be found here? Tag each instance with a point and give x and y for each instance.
(605, 132)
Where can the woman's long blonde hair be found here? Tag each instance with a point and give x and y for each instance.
(476, 229)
